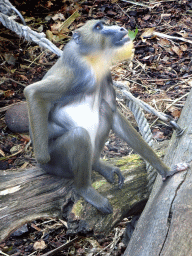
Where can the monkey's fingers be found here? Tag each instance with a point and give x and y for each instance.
(180, 167)
(177, 168)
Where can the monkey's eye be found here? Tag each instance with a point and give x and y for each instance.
(98, 26)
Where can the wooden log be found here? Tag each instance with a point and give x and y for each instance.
(165, 226)
(31, 194)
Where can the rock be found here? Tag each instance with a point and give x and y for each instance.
(16, 118)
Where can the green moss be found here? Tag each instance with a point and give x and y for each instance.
(77, 207)
(127, 162)
(98, 184)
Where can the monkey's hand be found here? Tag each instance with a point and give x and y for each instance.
(119, 175)
(109, 172)
(176, 168)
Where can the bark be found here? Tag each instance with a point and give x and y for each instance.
(31, 194)
(165, 226)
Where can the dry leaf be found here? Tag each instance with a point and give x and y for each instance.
(64, 223)
(158, 135)
(176, 113)
(183, 34)
(60, 37)
(2, 153)
(35, 227)
(25, 137)
(183, 47)
(56, 27)
(49, 4)
(49, 35)
(28, 19)
(9, 93)
(58, 16)
(190, 82)
(148, 33)
(177, 50)
(24, 77)
(10, 58)
(15, 149)
(93, 242)
(164, 43)
(24, 165)
(165, 15)
(147, 17)
(39, 245)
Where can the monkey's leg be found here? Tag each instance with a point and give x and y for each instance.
(125, 130)
(105, 123)
(72, 152)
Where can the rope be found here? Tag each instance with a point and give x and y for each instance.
(7, 8)
(29, 34)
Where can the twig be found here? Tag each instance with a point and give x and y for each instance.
(63, 246)
(6, 79)
(135, 3)
(36, 58)
(68, 21)
(5, 254)
(122, 10)
(5, 108)
(175, 101)
(117, 237)
(172, 37)
(18, 152)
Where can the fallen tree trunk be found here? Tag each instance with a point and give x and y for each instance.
(31, 194)
(165, 226)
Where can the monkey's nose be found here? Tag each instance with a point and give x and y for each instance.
(123, 29)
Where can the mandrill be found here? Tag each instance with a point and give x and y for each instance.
(73, 108)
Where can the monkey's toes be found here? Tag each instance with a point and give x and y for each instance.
(106, 208)
(94, 198)
(120, 177)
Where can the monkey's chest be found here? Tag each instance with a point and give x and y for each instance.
(83, 114)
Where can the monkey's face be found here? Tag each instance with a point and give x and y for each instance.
(114, 36)
(96, 36)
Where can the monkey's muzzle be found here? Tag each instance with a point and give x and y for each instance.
(123, 39)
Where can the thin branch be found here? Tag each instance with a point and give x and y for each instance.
(172, 37)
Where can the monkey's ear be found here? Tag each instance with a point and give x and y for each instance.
(76, 37)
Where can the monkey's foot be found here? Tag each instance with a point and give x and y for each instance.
(110, 176)
(177, 168)
(120, 177)
(109, 172)
(93, 197)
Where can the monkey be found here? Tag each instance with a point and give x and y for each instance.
(73, 108)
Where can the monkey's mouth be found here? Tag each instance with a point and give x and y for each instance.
(124, 39)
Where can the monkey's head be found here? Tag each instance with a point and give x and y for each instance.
(95, 37)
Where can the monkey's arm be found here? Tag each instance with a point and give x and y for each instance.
(125, 130)
(40, 97)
